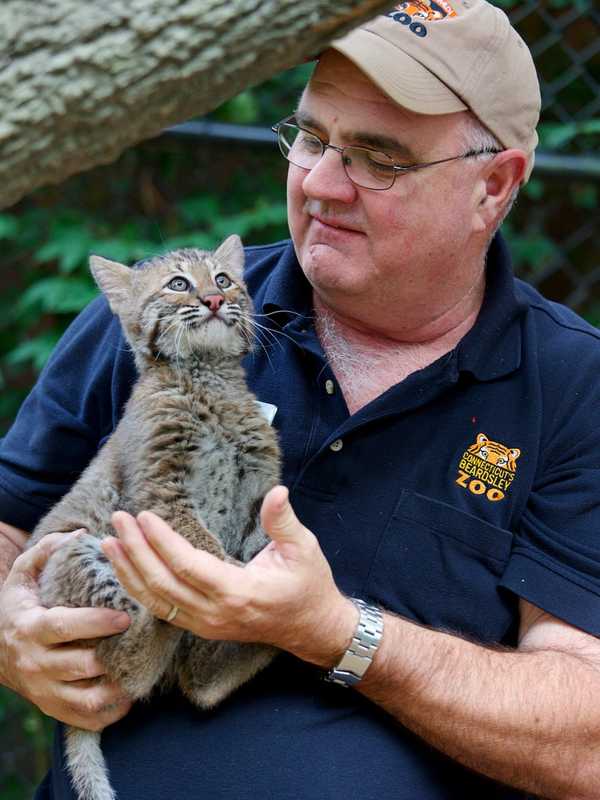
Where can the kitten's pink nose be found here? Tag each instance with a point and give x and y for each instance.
(213, 301)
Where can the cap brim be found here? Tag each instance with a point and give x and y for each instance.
(401, 77)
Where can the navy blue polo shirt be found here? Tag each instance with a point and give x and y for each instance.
(471, 484)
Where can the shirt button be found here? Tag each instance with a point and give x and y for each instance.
(336, 446)
(329, 386)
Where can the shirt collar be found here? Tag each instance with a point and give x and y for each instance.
(492, 348)
(287, 293)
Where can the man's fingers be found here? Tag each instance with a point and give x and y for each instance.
(91, 722)
(60, 625)
(28, 565)
(145, 568)
(73, 664)
(201, 570)
(90, 705)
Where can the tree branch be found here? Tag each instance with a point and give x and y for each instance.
(81, 82)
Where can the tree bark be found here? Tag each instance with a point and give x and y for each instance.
(82, 81)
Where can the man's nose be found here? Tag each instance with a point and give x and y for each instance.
(327, 180)
(212, 301)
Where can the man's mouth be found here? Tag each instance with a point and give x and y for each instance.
(337, 224)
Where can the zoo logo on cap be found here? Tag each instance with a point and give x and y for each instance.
(411, 14)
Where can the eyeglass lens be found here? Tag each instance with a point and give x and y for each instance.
(367, 168)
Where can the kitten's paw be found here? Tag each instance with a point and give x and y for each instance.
(209, 675)
(253, 544)
(80, 575)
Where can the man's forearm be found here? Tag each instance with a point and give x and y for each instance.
(527, 719)
(12, 544)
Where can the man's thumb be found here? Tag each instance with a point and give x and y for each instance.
(278, 518)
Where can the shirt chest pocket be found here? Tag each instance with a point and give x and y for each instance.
(441, 567)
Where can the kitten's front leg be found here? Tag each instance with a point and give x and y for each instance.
(209, 671)
(256, 541)
(181, 517)
(80, 575)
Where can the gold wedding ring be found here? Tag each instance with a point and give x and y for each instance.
(172, 614)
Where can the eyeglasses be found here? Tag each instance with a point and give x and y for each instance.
(369, 169)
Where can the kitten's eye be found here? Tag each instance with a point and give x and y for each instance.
(178, 285)
(222, 281)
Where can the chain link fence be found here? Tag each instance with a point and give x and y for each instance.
(555, 225)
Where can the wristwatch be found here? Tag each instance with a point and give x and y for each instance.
(357, 658)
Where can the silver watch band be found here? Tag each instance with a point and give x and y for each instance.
(358, 657)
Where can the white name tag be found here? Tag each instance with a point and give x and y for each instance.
(268, 410)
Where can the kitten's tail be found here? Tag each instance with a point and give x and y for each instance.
(87, 766)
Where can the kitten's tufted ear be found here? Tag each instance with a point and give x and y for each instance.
(231, 254)
(114, 280)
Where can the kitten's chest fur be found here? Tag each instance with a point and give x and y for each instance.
(216, 447)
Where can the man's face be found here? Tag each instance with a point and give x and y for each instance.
(397, 254)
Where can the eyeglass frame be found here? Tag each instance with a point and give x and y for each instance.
(398, 169)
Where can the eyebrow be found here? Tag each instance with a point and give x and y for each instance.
(376, 141)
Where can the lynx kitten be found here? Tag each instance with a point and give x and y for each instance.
(193, 447)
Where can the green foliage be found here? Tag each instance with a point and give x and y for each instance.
(556, 135)
(268, 103)
(30, 735)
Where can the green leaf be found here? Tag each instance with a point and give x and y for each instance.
(261, 216)
(122, 250)
(585, 196)
(203, 241)
(554, 135)
(12, 788)
(69, 245)
(534, 189)
(200, 210)
(9, 226)
(58, 295)
(532, 249)
(242, 109)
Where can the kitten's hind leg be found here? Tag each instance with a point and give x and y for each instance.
(78, 574)
(209, 671)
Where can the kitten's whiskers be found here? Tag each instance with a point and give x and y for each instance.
(273, 334)
(281, 311)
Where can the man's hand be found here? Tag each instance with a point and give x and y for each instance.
(285, 596)
(40, 657)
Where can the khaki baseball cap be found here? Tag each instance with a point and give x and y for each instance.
(452, 55)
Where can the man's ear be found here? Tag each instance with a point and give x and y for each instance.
(114, 280)
(500, 177)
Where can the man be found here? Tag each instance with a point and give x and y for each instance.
(441, 452)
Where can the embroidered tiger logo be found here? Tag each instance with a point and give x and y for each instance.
(495, 453)
(426, 9)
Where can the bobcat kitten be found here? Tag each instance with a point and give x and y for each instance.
(193, 447)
